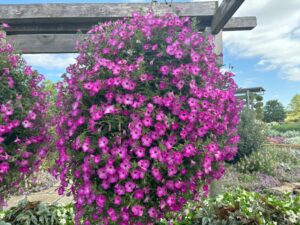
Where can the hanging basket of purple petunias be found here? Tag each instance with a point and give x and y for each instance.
(23, 131)
(146, 120)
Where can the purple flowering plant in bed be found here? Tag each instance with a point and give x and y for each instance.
(146, 120)
(23, 131)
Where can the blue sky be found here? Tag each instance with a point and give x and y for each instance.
(268, 56)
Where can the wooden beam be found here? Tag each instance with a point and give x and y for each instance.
(45, 43)
(11, 12)
(235, 23)
(65, 43)
(51, 28)
(223, 14)
(240, 23)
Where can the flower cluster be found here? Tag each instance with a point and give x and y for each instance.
(146, 120)
(22, 127)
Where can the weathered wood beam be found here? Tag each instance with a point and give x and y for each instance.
(223, 14)
(240, 23)
(51, 28)
(45, 43)
(99, 10)
(234, 24)
(56, 42)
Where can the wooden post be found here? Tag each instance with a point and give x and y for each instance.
(215, 186)
(3, 35)
(248, 99)
(218, 41)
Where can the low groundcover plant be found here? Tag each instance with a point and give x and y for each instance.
(145, 120)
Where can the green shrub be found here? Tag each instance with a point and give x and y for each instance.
(252, 134)
(293, 140)
(267, 160)
(258, 161)
(287, 127)
(37, 213)
(241, 207)
(287, 134)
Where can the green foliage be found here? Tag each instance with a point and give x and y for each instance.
(294, 114)
(241, 207)
(36, 213)
(258, 106)
(251, 132)
(267, 160)
(292, 126)
(50, 88)
(259, 110)
(274, 111)
(258, 161)
(287, 134)
(293, 140)
(66, 214)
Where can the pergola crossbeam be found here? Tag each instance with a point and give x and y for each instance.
(45, 43)
(240, 23)
(98, 10)
(235, 23)
(223, 14)
(53, 28)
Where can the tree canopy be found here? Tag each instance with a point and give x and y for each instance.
(294, 112)
(274, 111)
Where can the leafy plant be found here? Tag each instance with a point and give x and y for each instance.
(29, 213)
(287, 134)
(252, 134)
(294, 112)
(37, 213)
(291, 126)
(258, 107)
(267, 160)
(241, 207)
(293, 140)
(259, 161)
(274, 111)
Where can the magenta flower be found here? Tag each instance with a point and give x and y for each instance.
(138, 194)
(147, 140)
(154, 152)
(100, 200)
(130, 186)
(137, 210)
(102, 142)
(153, 212)
(4, 167)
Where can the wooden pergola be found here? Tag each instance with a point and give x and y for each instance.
(248, 93)
(53, 28)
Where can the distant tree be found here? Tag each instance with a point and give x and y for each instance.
(294, 112)
(274, 111)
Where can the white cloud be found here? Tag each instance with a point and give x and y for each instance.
(276, 39)
(50, 61)
(248, 82)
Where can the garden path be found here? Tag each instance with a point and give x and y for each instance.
(48, 196)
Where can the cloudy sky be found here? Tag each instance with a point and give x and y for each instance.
(267, 56)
